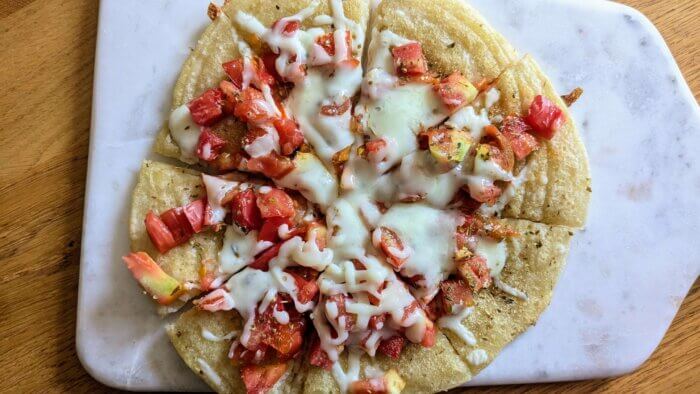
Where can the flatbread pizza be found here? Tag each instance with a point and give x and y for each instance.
(381, 197)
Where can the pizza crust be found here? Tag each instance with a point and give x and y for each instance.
(161, 187)
(268, 12)
(556, 189)
(535, 260)
(425, 370)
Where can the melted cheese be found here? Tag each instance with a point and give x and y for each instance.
(454, 324)
(401, 113)
(505, 197)
(477, 357)
(209, 372)
(239, 249)
(185, 133)
(350, 235)
(311, 178)
(209, 336)
(288, 46)
(418, 177)
(327, 134)
(217, 188)
(494, 252)
(504, 287)
(265, 144)
(345, 377)
(379, 51)
(467, 118)
(430, 234)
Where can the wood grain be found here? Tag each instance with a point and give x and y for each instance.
(47, 47)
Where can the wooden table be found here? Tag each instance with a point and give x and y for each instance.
(47, 50)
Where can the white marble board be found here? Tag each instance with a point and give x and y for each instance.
(627, 272)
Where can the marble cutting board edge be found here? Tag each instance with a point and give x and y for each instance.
(627, 272)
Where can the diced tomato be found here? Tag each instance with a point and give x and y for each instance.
(232, 96)
(260, 75)
(475, 271)
(207, 274)
(376, 322)
(208, 108)
(272, 165)
(409, 59)
(499, 149)
(392, 246)
(259, 354)
(467, 204)
(429, 336)
(269, 59)
(305, 280)
(269, 232)
(290, 136)
(456, 91)
(434, 309)
(234, 70)
(410, 310)
(327, 42)
(262, 260)
(217, 300)
(253, 111)
(159, 233)
(518, 134)
(194, 212)
(253, 133)
(209, 145)
(375, 146)
(544, 117)
(251, 94)
(392, 347)
(244, 210)
(259, 379)
(340, 301)
(335, 109)
(369, 386)
(349, 63)
(286, 339)
(288, 27)
(455, 294)
(317, 356)
(275, 203)
(161, 286)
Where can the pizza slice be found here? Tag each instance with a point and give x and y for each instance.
(555, 179)
(523, 289)
(243, 105)
(191, 231)
(203, 340)
(453, 35)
